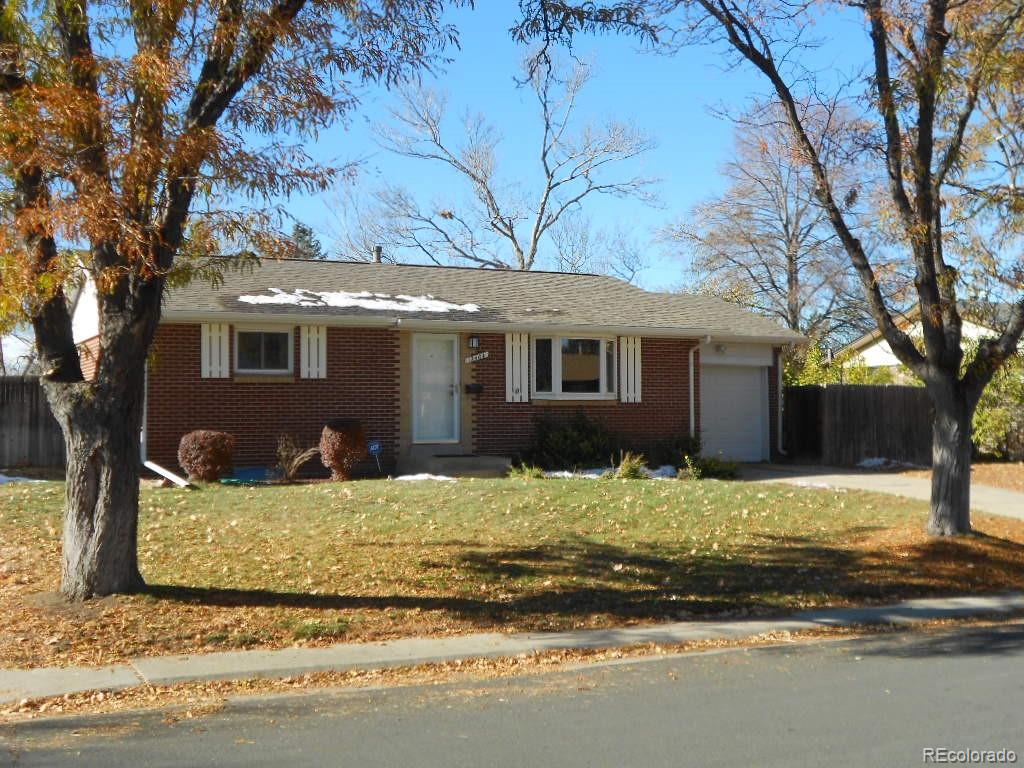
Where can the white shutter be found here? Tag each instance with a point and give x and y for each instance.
(215, 348)
(629, 369)
(313, 352)
(517, 367)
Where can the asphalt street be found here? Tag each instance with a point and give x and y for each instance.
(879, 701)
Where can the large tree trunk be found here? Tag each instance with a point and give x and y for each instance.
(101, 426)
(951, 461)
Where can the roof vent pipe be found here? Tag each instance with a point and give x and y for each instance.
(378, 254)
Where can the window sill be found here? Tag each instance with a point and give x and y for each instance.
(574, 401)
(264, 378)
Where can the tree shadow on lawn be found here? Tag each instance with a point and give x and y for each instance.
(565, 583)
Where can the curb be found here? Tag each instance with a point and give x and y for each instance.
(17, 684)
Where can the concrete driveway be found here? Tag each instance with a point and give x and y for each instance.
(984, 498)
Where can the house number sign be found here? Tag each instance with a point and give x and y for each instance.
(478, 357)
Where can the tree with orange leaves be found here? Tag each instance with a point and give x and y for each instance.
(129, 132)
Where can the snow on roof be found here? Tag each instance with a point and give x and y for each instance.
(302, 297)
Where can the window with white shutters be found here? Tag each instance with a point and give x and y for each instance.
(573, 368)
(263, 350)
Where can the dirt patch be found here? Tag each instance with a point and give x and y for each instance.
(1008, 474)
(54, 604)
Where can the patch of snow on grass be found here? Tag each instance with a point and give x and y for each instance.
(873, 463)
(424, 476)
(664, 472)
(15, 479)
(587, 474)
(362, 299)
(882, 463)
(821, 485)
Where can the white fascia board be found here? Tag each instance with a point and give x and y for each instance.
(465, 326)
(272, 318)
(549, 329)
(736, 353)
(85, 315)
(778, 341)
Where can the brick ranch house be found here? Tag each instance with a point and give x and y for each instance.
(450, 362)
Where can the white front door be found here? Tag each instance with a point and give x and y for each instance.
(435, 388)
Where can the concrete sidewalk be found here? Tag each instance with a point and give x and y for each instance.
(984, 498)
(17, 684)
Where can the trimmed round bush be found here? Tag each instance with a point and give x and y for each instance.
(342, 446)
(206, 454)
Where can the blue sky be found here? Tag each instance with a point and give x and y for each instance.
(669, 98)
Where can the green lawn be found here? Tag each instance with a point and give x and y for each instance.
(239, 567)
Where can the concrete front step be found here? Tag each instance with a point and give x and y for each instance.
(469, 465)
(461, 465)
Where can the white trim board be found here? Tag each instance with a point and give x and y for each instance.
(473, 326)
(178, 480)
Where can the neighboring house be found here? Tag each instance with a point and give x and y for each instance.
(449, 361)
(873, 351)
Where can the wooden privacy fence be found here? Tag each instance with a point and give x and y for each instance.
(29, 434)
(846, 423)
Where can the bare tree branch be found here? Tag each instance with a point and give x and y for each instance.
(506, 224)
(765, 242)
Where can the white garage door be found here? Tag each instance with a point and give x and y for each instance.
(734, 412)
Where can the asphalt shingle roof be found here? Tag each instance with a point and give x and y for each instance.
(502, 297)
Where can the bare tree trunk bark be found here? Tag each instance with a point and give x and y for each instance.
(951, 462)
(101, 433)
(792, 286)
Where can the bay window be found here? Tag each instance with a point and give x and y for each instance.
(573, 368)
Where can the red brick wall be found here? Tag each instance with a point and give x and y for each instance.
(88, 354)
(361, 383)
(502, 428)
